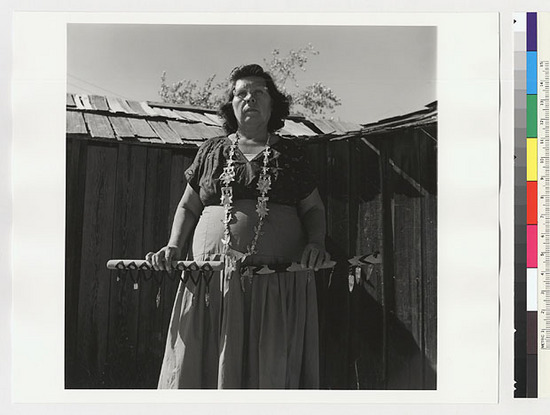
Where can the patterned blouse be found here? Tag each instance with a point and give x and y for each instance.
(291, 178)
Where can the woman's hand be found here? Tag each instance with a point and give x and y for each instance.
(162, 260)
(314, 256)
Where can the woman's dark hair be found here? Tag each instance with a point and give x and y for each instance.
(280, 103)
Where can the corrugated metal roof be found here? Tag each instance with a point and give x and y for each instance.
(414, 119)
(296, 129)
(323, 126)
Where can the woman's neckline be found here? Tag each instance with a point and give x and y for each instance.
(272, 139)
(273, 142)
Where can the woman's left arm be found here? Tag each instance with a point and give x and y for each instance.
(312, 214)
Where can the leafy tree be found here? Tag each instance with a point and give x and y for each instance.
(207, 95)
(315, 99)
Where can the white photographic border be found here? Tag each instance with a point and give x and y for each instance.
(468, 238)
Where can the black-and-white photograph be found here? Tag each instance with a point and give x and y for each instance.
(251, 207)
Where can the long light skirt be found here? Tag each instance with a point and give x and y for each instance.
(233, 332)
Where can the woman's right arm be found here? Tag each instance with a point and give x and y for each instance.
(187, 214)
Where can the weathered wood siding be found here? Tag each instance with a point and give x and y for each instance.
(382, 334)
(381, 195)
(120, 203)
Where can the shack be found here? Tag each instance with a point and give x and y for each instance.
(125, 164)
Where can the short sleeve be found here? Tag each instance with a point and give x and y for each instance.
(197, 169)
(306, 180)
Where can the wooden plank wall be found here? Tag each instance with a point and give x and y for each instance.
(120, 202)
(382, 334)
(76, 177)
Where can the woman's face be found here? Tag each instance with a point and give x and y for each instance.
(252, 102)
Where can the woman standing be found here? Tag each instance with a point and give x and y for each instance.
(250, 200)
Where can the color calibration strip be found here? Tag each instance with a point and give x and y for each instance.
(532, 198)
(539, 83)
(524, 363)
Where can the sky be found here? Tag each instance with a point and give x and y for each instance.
(377, 71)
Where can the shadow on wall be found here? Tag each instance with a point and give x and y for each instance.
(404, 368)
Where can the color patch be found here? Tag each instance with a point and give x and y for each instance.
(532, 275)
(532, 332)
(531, 73)
(532, 159)
(532, 246)
(532, 203)
(532, 123)
(531, 31)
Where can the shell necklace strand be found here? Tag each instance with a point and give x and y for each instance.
(264, 185)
